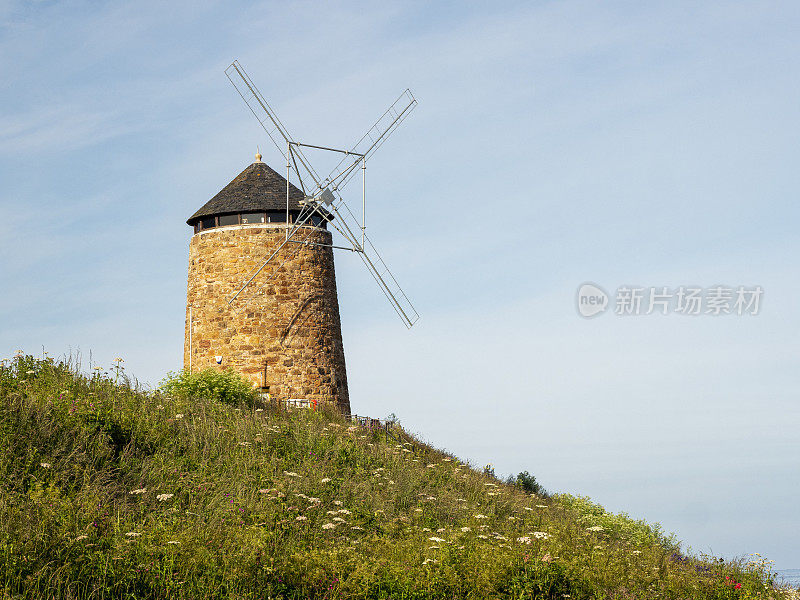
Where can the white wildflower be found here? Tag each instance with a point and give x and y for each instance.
(133, 534)
(541, 535)
(595, 528)
(45, 465)
(301, 518)
(524, 540)
(325, 480)
(436, 539)
(164, 497)
(466, 529)
(173, 542)
(139, 491)
(291, 474)
(329, 525)
(179, 416)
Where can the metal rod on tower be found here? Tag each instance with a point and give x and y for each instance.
(288, 172)
(363, 200)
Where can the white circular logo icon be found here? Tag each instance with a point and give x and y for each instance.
(592, 300)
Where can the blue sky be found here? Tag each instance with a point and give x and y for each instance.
(623, 143)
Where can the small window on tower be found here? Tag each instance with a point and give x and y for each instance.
(208, 223)
(316, 220)
(276, 217)
(248, 218)
(229, 220)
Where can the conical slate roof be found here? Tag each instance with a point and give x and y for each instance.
(256, 189)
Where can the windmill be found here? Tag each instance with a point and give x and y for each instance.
(323, 195)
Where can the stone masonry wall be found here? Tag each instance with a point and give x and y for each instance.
(286, 319)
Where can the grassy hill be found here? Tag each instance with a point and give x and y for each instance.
(111, 492)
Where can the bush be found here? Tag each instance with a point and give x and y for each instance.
(223, 386)
(528, 483)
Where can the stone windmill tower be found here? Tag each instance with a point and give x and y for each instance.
(262, 291)
(287, 337)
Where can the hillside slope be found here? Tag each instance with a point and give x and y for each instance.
(109, 492)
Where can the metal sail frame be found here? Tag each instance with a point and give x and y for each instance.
(323, 197)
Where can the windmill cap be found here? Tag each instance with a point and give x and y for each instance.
(256, 189)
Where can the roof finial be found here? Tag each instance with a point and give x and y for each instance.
(258, 154)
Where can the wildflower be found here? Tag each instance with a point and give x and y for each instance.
(466, 529)
(338, 519)
(31, 372)
(81, 537)
(447, 459)
(139, 491)
(541, 506)
(431, 466)
(95, 368)
(426, 529)
(483, 537)
(344, 511)
(436, 539)
(428, 561)
(417, 510)
(173, 542)
(524, 540)
(338, 502)
(547, 558)
(291, 474)
(301, 518)
(332, 512)
(133, 534)
(480, 516)
(512, 518)
(244, 443)
(264, 491)
(460, 500)
(357, 528)
(636, 552)
(595, 528)
(441, 530)
(118, 360)
(259, 410)
(434, 547)
(45, 465)
(325, 480)
(430, 498)
(493, 494)
(179, 416)
(329, 525)
(541, 535)
(527, 508)
(160, 407)
(164, 497)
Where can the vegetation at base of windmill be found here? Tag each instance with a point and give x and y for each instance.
(212, 384)
(153, 496)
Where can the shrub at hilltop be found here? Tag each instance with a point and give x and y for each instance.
(212, 384)
(110, 492)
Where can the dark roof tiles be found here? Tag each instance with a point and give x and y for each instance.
(256, 189)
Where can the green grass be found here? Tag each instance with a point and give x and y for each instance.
(112, 492)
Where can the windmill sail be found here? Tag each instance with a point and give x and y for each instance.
(325, 199)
